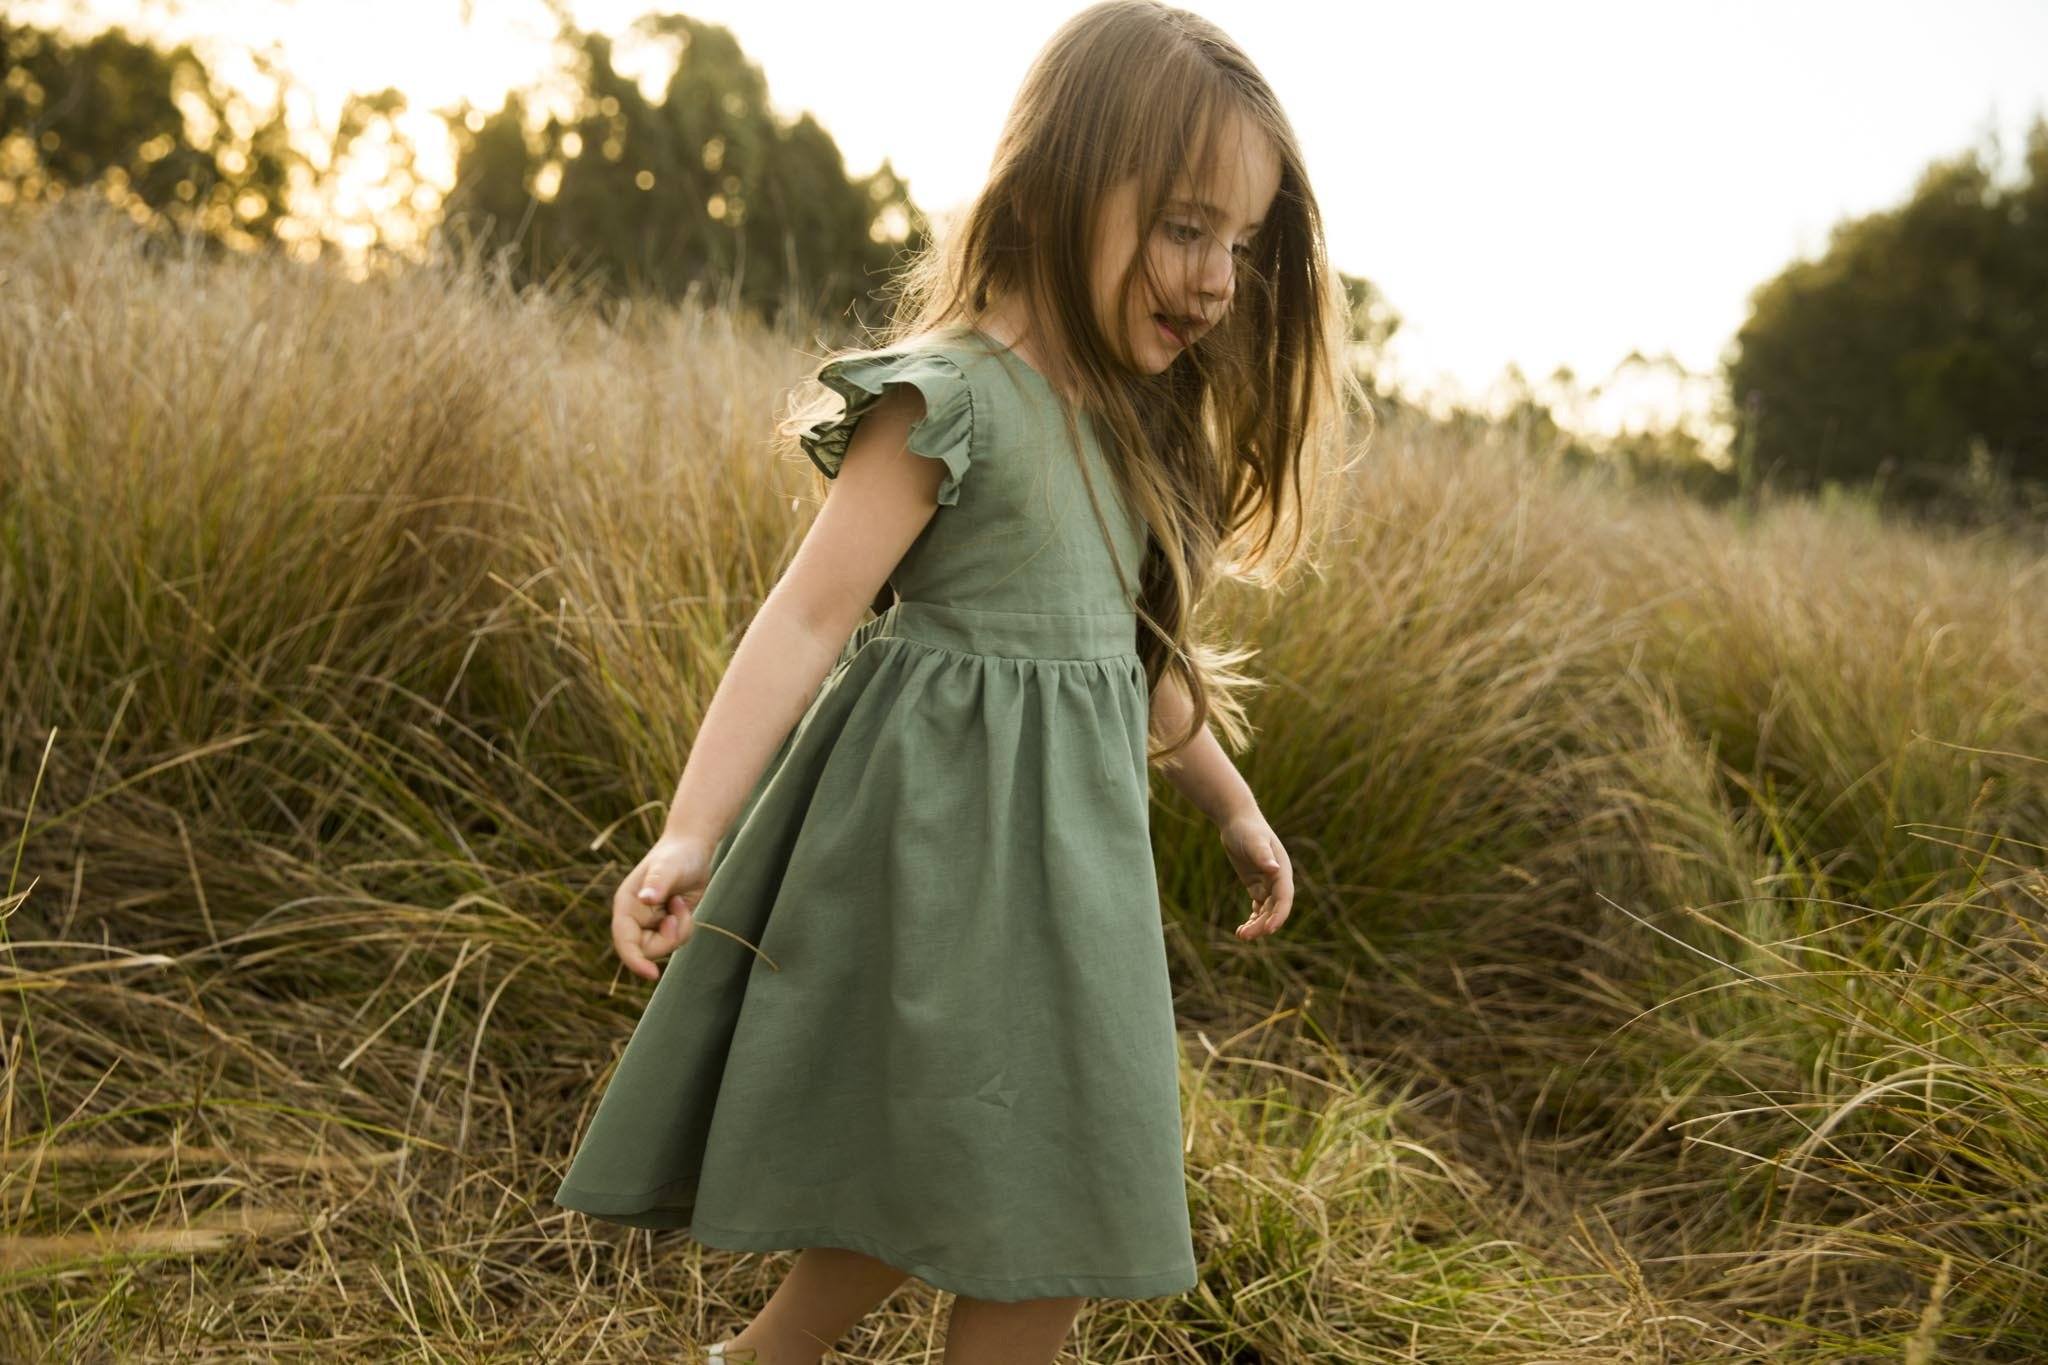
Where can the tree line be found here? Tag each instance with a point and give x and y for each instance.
(1909, 359)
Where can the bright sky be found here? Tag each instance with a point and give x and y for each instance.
(1542, 185)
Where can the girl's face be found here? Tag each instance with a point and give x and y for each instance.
(1195, 251)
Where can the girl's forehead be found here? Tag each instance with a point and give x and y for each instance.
(1235, 173)
(1236, 187)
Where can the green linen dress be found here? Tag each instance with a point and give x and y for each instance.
(954, 1049)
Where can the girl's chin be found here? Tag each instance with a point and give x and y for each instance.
(1151, 350)
(1158, 353)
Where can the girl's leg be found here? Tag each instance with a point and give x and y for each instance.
(1029, 1332)
(825, 1293)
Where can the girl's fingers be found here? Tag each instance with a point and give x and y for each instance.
(630, 954)
(1267, 883)
(665, 936)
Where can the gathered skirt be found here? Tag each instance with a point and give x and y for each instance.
(925, 1011)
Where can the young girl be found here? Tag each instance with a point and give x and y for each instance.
(930, 1031)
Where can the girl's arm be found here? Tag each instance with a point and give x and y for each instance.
(1201, 772)
(1204, 774)
(877, 504)
(882, 496)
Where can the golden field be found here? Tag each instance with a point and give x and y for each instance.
(1665, 982)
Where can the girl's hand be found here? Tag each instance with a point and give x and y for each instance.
(1264, 868)
(654, 908)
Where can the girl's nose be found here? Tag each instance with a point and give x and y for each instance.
(1219, 275)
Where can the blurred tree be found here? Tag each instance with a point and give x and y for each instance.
(1372, 324)
(109, 111)
(704, 190)
(1373, 320)
(152, 131)
(1914, 353)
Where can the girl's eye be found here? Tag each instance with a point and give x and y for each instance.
(1184, 234)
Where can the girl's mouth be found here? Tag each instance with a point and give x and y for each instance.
(1172, 333)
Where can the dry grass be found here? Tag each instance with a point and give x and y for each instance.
(1666, 981)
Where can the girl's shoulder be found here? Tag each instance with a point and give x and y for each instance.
(980, 398)
(954, 363)
(951, 429)
(957, 345)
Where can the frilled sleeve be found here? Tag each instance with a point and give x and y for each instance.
(945, 433)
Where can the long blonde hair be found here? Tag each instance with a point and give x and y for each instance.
(1222, 452)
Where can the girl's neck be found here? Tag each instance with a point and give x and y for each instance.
(1003, 324)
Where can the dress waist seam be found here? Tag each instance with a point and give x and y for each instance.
(1050, 636)
(921, 603)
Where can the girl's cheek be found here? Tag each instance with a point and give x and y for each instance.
(1161, 270)
(1175, 265)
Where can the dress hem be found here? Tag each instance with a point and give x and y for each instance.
(620, 1208)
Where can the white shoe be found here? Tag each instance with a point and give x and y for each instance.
(715, 1354)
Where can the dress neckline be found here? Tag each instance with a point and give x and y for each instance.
(1015, 355)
